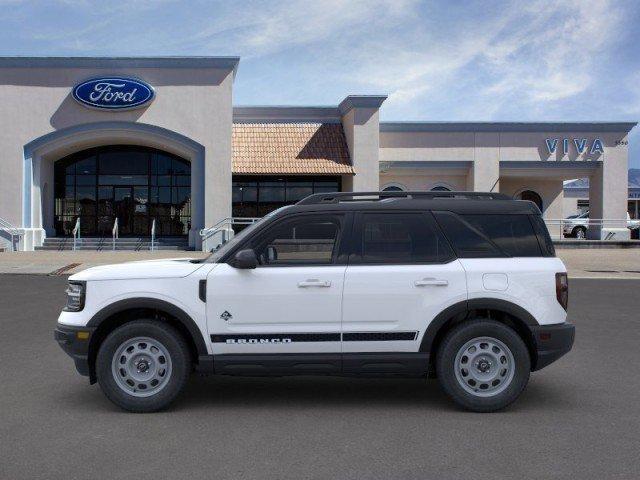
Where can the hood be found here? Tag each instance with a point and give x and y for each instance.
(163, 268)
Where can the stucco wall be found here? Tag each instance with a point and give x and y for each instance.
(424, 182)
(361, 129)
(193, 102)
(550, 190)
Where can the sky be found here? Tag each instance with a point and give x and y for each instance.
(436, 60)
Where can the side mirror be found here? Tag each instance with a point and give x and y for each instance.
(245, 259)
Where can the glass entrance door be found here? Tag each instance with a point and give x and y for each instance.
(123, 207)
(130, 206)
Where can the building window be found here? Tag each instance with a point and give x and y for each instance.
(133, 184)
(440, 188)
(633, 207)
(394, 187)
(255, 196)
(531, 196)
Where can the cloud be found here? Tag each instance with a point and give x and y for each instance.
(554, 49)
(266, 27)
(534, 53)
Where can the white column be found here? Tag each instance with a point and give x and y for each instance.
(484, 174)
(361, 124)
(608, 191)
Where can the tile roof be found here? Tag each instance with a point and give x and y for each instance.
(290, 148)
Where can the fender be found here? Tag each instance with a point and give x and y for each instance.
(461, 309)
(156, 304)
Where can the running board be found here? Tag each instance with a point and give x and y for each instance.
(409, 364)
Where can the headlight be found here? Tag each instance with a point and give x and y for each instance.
(75, 296)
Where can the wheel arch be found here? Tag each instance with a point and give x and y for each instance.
(496, 309)
(124, 311)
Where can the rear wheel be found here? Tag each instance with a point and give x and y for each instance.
(143, 365)
(483, 365)
(580, 233)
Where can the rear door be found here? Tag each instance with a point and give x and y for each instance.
(401, 274)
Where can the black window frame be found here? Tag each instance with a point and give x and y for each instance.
(340, 253)
(355, 250)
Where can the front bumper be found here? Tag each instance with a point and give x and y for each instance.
(552, 342)
(75, 342)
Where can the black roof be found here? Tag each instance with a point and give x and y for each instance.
(457, 202)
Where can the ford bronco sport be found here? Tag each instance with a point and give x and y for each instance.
(461, 286)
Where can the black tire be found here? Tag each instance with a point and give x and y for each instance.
(177, 349)
(580, 232)
(456, 339)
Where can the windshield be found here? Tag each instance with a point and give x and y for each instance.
(231, 244)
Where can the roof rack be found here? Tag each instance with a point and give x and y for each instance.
(337, 197)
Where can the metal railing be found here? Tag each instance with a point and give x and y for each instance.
(12, 231)
(114, 234)
(76, 234)
(220, 233)
(152, 247)
(614, 229)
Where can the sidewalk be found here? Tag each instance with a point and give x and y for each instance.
(48, 262)
(581, 263)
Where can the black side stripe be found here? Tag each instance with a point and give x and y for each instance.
(277, 337)
(314, 337)
(377, 336)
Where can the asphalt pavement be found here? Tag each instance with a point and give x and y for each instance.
(578, 418)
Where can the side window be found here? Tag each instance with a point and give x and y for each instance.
(467, 241)
(542, 233)
(304, 240)
(512, 233)
(399, 238)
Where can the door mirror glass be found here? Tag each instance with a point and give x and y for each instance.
(245, 259)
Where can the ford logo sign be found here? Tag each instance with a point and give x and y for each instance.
(113, 93)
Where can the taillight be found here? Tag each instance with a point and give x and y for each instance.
(562, 289)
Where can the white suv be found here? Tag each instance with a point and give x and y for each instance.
(462, 286)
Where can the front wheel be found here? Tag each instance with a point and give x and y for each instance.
(143, 365)
(483, 365)
(580, 233)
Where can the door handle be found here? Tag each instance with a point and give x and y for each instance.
(314, 283)
(428, 282)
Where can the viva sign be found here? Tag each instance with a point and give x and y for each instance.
(113, 93)
(580, 144)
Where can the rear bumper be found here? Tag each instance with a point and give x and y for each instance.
(552, 342)
(75, 345)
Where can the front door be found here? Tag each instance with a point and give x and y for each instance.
(291, 303)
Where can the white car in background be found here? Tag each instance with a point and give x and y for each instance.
(576, 225)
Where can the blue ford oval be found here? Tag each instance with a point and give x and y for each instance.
(113, 93)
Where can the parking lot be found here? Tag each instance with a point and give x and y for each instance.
(579, 418)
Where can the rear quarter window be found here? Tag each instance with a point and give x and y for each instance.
(514, 234)
(466, 240)
(490, 235)
(544, 239)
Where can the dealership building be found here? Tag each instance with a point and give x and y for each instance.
(158, 141)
